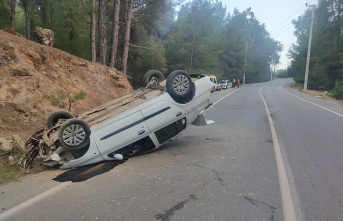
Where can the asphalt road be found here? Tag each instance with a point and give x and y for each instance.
(229, 170)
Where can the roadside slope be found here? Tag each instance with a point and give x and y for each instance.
(31, 75)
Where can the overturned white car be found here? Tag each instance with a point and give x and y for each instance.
(134, 124)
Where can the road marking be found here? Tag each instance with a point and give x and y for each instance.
(34, 200)
(286, 196)
(311, 102)
(222, 99)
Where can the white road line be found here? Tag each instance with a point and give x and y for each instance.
(287, 201)
(34, 200)
(221, 99)
(311, 102)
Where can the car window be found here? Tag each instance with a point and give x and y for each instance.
(140, 146)
(171, 130)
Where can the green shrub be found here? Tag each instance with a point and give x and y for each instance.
(79, 96)
(337, 91)
(60, 99)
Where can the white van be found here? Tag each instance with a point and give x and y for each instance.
(215, 82)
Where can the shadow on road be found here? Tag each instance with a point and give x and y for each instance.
(87, 172)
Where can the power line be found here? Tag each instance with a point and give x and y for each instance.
(281, 31)
(287, 19)
(290, 17)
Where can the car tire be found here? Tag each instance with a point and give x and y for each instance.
(56, 116)
(153, 75)
(180, 86)
(191, 96)
(185, 100)
(74, 134)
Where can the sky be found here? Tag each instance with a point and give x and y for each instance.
(277, 15)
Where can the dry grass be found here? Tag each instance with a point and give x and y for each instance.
(319, 94)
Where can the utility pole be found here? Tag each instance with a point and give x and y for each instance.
(309, 47)
(245, 60)
(271, 68)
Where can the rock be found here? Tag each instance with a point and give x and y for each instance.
(44, 36)
(3, 95)
(8, 54)
(11, 160)
(122, 85)
(19, 102)
(5, 146)
(21, 72)
(326, 93)
(18, 142)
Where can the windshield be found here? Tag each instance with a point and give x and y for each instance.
(223, 81)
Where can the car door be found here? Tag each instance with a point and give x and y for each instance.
(120, 133)
(164, 119)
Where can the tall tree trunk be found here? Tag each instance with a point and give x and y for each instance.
(45, 13)
(339, 28)
(127, 36)
(12, 15)
(93, 27)
(102, 32)
(114, 45)
(27, 25)
(27, 20)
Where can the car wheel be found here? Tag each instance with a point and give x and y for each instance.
(185, 100)
(191, 96)
(74, 134)
(58, 117)
(179, 85)
(153, 77)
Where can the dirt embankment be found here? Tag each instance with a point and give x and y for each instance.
(32, 76)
